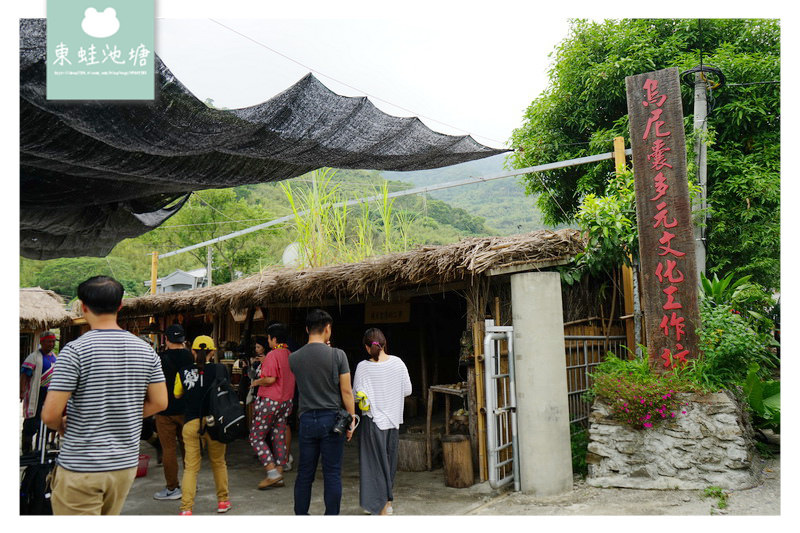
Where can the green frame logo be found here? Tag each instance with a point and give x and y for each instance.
(100, 50)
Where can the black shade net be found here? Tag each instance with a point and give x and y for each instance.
(95, 172)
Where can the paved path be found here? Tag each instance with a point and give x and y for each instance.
(424, 493)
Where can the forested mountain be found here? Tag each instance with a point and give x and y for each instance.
(213, 213)
(502, 203)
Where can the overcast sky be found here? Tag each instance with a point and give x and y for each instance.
(467, 76)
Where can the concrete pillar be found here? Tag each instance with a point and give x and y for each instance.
(541, 384)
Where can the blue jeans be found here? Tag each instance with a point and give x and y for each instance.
(316, 439)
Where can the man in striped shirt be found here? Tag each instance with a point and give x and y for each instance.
(108, 380)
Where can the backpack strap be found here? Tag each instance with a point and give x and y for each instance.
(220, 377)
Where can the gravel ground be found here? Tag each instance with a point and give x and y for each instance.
(586, 500)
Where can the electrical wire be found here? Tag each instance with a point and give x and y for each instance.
(752, 83)
(259, 43)
(211, 206)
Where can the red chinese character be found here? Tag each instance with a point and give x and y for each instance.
(670, 273)
(661, 186)
(671, 303)
(668, 358)
(661, 217)
(675, 321)
(665, 239)
(658, 155)
(655, 114)
(651, 86)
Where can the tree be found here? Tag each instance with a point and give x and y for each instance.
(212, 213)
(65, 274)
(585, 107)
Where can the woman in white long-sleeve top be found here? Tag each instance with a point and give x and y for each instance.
(385, 382)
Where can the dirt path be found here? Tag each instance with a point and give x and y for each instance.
(586, 500)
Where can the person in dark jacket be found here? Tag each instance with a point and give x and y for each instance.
(193, 383)
(169, 422)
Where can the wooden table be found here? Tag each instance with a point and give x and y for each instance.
(447, 391)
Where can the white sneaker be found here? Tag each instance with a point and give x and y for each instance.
(166, 494)
(288, 465)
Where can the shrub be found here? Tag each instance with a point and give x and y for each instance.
(730, 345)
(637, 395)
(579, 443)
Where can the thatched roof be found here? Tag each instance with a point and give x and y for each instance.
(41, 309)
(375, 277)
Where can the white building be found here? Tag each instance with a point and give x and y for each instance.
(181, 281)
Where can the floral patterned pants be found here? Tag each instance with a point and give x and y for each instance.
(268, 431)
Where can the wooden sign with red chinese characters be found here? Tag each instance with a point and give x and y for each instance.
(663, 210)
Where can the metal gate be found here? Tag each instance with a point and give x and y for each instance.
(501, 406)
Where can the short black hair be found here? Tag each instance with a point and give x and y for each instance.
(262, 340)
(317, 319)
(279, 332)
(101, 294)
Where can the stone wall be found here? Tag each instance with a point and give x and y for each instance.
(710, 445)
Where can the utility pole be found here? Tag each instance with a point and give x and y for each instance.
(209, 258)
(700, 129)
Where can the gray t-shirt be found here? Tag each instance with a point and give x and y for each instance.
(316, 368)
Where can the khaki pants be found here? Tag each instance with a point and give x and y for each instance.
(90, 493)
(170, 435)
(191, 464)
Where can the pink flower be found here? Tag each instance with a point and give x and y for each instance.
(647, 425)
(683, 412)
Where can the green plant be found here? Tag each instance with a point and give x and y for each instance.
(740, 294)
(579, 444)
(730, 345)
(637, 395)
(719, 494)
(764, 399)
(328, 234)
(722, 291)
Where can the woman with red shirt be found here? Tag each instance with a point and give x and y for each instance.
(273, 405)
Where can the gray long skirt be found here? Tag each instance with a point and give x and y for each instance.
(377, 464)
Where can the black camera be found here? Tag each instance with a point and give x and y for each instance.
(342, 424)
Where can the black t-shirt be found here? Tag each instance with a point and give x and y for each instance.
(196, 384)
(171, 361)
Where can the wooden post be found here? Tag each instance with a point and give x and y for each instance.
(619, 155)
(215, 335)
(457, 461)
(472, 417)
(153, 272)
(428, 436)
(423, 363)
(477, 343)
(627, 273)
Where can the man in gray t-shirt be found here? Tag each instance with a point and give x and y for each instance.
(323, 382)
(317, 368)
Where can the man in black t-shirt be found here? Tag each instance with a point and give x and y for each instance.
(169, 422)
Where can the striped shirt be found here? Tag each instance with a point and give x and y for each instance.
(386, 384)
(108, 372)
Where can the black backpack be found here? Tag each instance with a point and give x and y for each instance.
(229, 422)
(34, 489)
